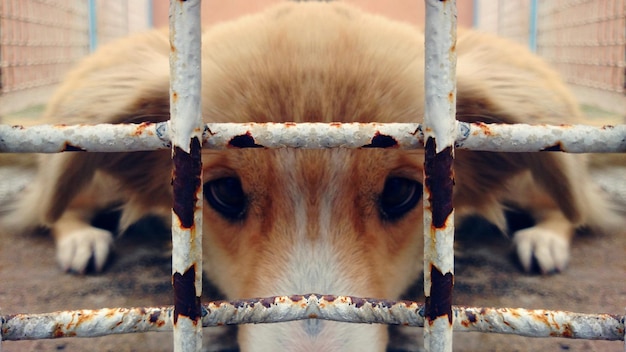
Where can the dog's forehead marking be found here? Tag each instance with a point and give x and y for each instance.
(289, 171)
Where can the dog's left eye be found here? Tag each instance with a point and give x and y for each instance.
(227, 197)
(399, 196)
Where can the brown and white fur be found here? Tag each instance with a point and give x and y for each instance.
(313, 220)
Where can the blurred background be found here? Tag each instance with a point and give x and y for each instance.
(41, 39)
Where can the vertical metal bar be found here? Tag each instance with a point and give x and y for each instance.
(476, 14)
(186, 129)
(93, 25)
(150, 11)
(532, 24)
(439, 134)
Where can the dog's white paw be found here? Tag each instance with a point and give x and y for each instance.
(76, 249)
(549, 249)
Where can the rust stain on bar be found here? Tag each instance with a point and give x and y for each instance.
(266, 302)
(485, 128)
(558, 147)
(186, 301)
(243, 141)
(358, 302)
(439, 302)
(439, 181)
(67, 147)
(382, 141)
(296, 298)
(186, 182)
(471, 317)
(155, 318)
(142, 128)
(329, 298)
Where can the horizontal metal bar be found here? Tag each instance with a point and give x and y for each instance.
(92, 138)
(314, 135)
(473, 136)
(91, 323)
(540, 323)
(85, 323)
(532, 138)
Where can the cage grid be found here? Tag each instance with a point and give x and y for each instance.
(585, 41)
(186, 135)
(50, 30)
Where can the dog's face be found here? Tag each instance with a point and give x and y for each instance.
(285, 221)
(343, 222)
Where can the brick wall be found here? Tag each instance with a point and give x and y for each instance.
(585, 40)
(40, 40)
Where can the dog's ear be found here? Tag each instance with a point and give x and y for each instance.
(126, 82)
(498, 98)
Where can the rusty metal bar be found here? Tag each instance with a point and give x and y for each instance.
(439, 136)
(92, 138)
(186, 124)
(534, 138)
(101, 322)
(539, 323)
(85, 323)
(472, 136)
(314, 135)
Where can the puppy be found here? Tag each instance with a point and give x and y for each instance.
(285, 221)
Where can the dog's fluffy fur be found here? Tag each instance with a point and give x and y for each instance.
(314, 220)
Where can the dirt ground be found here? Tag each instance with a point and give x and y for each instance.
(485, 275)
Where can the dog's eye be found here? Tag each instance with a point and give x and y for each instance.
(226, 196)
(399, 196)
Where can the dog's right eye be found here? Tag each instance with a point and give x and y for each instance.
(400, 195)
(226, 196)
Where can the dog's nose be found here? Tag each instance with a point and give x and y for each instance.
(313, 327)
